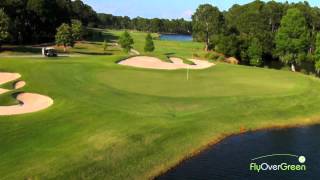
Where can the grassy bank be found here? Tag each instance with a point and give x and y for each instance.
(164, 48)
(115, 122)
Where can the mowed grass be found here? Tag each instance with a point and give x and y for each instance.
(222, 80)
(8, 98)
(163, 49)
(115, 122)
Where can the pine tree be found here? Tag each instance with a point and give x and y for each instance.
(126, 41)
(292, 38)
(317, 54)
(255, 52)
(149, 45)
(207, 21)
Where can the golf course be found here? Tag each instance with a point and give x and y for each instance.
(110, 121)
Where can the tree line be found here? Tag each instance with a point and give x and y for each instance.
(260, 32)
(35, 21)
(179, 26)
(257, 33)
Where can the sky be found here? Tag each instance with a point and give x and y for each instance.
(169, 9)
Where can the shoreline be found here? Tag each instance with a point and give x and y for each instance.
(160, 33)
(223, 136)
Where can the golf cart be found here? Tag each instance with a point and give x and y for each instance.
(49, 52)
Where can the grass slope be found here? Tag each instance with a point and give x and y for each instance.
(8, 98)
(116, 122)
(163, 49)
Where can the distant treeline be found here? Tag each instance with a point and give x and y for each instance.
(179, 26)
(36, 21)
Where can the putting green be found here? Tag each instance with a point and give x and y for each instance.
(220, 80)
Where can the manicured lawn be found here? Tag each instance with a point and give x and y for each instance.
(165, 48)
(115, 122)
(8, 99)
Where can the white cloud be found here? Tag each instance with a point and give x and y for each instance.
(187, 14)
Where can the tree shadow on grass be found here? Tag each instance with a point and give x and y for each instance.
(21, 49)
(100, 36)
(110, 37)
(79, 48)
(95, 53)
(93, 43)
(170, 54)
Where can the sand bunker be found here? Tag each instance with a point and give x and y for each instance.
(19, 84)
(29, 102)
(2, 91)
(7, 77)
(155, 63)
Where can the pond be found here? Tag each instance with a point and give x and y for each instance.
(175, 37)
(231, 158)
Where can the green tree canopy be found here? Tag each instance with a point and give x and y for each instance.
(36, 21)
(317, 54)
(126, 41)
(64, 36)
(227, 44)
(77, 30)
(254, 20)
(255, 52)
(84, 12)
(207, 21)
(149, 45)
(292, 38)
(4, 26)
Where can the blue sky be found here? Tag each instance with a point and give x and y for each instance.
(170, 9)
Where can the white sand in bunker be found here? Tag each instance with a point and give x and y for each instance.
(7, 77)
(29, 102)
(155, 63)
(2, 91)
(19, 84)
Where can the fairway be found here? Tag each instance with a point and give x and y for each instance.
(172, 90)
(113, 122)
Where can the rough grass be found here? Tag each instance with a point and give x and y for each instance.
(19, 50)
(116, 122)
(186, 61)
(8, 85)
(8, 99)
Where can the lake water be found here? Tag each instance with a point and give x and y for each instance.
(175, 37)
(230, 159)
